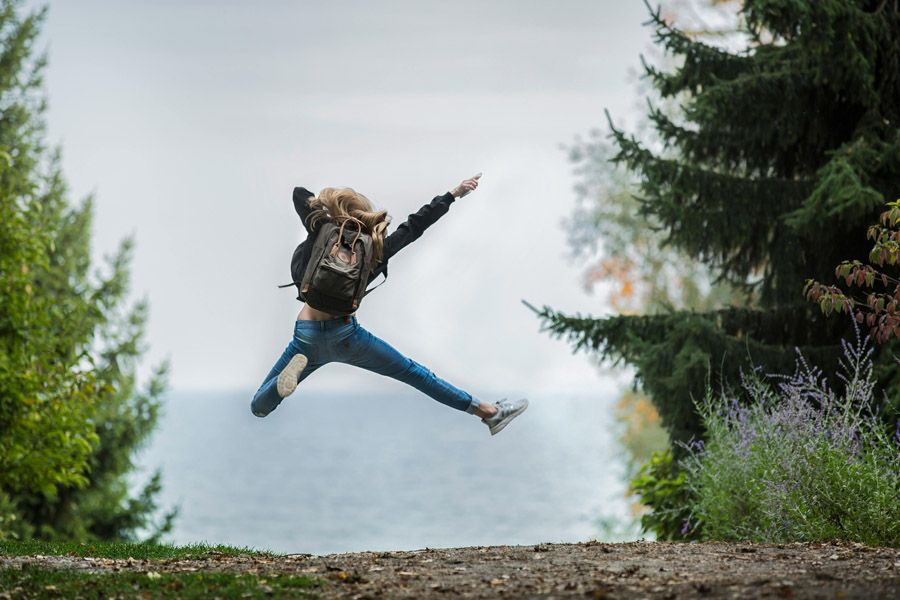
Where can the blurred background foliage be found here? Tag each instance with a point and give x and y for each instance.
(769, 145)
(72, 414)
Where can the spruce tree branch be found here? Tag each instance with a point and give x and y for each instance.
(533, 309)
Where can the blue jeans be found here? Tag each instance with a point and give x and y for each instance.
(344, 340)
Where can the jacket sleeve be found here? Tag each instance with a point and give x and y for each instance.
(301, 195)
(411, 229)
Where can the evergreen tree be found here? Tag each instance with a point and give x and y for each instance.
(779, 159)
(71, 417)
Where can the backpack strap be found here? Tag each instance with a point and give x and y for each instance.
(379, 285)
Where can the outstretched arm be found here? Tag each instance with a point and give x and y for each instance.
(416, 224)
(301, 195)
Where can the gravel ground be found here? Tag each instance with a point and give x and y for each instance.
(588, 569)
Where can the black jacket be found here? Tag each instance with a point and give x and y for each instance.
(406, 233)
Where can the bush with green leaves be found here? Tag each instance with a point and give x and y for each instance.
(72, 414)
(661, 486)
(789, 459)
(880, 310)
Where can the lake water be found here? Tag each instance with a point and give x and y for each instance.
(350, 472)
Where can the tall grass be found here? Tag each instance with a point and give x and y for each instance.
(798, 461)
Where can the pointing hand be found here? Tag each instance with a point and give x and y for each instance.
(466, 186)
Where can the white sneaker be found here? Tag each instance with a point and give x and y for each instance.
(287, 379)
(506, 412)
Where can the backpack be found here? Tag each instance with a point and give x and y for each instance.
(338, 270)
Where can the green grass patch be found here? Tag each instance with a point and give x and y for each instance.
(121, 550)
(35, 582)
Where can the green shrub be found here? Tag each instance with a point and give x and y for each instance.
(661, 486)
(796, 461)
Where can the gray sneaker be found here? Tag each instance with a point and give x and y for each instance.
(287, 379)
(506, 412)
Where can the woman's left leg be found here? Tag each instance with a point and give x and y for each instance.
(374, 354)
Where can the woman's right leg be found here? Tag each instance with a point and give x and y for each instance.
(376, 355)
(267, 398)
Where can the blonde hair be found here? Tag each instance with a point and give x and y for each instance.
(339, 204)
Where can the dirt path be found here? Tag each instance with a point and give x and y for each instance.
(589, 569)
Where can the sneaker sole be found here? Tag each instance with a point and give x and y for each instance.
(287, 379)
(499, 426)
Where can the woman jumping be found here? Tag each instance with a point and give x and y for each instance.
(320, 338)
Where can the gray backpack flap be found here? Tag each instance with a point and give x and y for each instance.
(338, 269)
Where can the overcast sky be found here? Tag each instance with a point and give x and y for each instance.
(192, 121)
